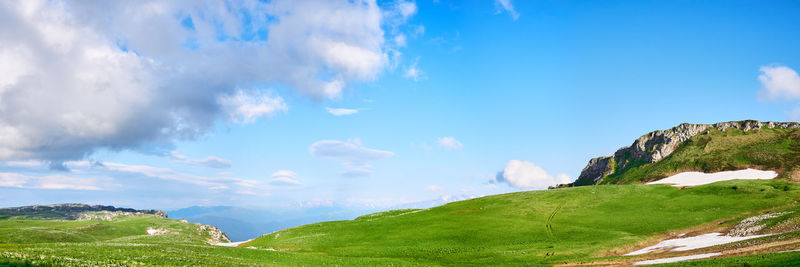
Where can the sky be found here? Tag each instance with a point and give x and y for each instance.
(358, 103)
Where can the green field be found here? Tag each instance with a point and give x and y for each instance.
(569, 225)
(537, 227)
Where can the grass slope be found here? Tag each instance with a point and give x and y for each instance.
(123, 241)
(536, 227)
(31, 231)
(714, 150)
(570, 225)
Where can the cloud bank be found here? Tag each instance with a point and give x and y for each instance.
(58, 182)
(80, 76)
(210, 162)
(354, 156)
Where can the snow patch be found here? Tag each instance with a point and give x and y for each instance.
(231, 244)
(154, 231)
(699, 178)
(677, 259)
(694, 242)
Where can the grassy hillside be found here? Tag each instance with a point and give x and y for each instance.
(31, 231)
(124, 241)
(714, 150)
(537, 227)
(570, 225)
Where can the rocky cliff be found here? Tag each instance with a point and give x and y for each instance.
(70, 211)
(657, 145)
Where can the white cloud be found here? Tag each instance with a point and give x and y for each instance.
(507, 6)
(449, 143)
(212, 183)
(407, 9)
(13, 179)
(80, 76)
(779, 83)
(525, 174)
(419, 30)
(400, 40)
(26, 163)
(246, 107)
(355, 157)
(211, 162)
(47, 182)
(400, 12)
(341, 111)
(413, 72)
(284, 177)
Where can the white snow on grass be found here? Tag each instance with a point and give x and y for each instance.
(699, 178)
(677, 259)
(231, 244)
(694, 242)
(153, 231)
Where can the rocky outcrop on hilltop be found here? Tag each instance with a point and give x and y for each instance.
(73, 211)
(657, 145)
(213, 234)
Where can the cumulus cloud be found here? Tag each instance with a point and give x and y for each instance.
(449, 143)
(211, 162)
(341, 111)
(284, 177)
(506, 6)
(526, 175)
(779, 83)
(79, 76)
(47, 182)
(246, 107)
(355, 157)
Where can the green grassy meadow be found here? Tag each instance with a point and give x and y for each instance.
(536, 227)
(568, 225)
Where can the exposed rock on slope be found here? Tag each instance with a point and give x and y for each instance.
(213, 233)
(72, 211)
(657, 145)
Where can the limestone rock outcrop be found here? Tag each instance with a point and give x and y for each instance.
(657, 145)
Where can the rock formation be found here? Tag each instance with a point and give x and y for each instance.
(70, 211)
(657, 145)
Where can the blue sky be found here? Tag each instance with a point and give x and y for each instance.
(128, 104)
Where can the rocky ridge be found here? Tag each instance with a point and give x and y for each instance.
(657, 145)
(75, 211)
